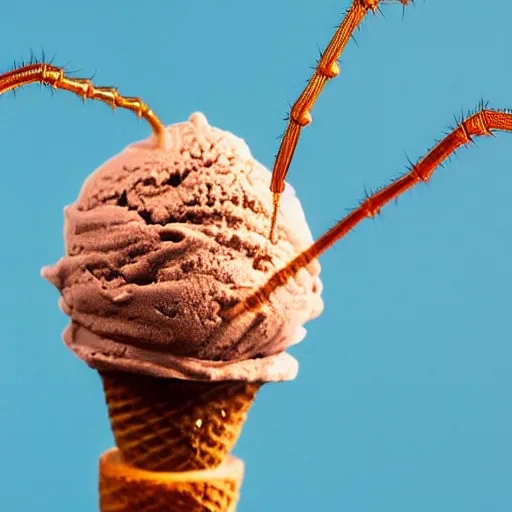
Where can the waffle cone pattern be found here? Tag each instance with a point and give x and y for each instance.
(175, 425)
(124, 488)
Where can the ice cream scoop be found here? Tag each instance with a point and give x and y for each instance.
(160, 242)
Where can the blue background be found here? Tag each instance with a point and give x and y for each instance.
(403, 398)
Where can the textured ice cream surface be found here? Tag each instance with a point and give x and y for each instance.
(161, 241)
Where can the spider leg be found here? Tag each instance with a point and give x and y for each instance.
(46, 74)
(300, 116)
(483, 122)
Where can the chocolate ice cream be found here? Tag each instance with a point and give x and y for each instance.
(161, 242)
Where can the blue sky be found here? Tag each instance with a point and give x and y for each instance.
(403, 398)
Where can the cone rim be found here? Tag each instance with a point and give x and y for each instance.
(113, 465)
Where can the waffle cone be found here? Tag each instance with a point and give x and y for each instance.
(175, 425)
(124, 488)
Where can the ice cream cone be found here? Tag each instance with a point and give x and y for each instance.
(124, 488)
(158, 244)
(175, 425)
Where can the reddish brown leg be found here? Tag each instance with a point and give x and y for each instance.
(300, 114)
(484, 122)
(55, 77)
